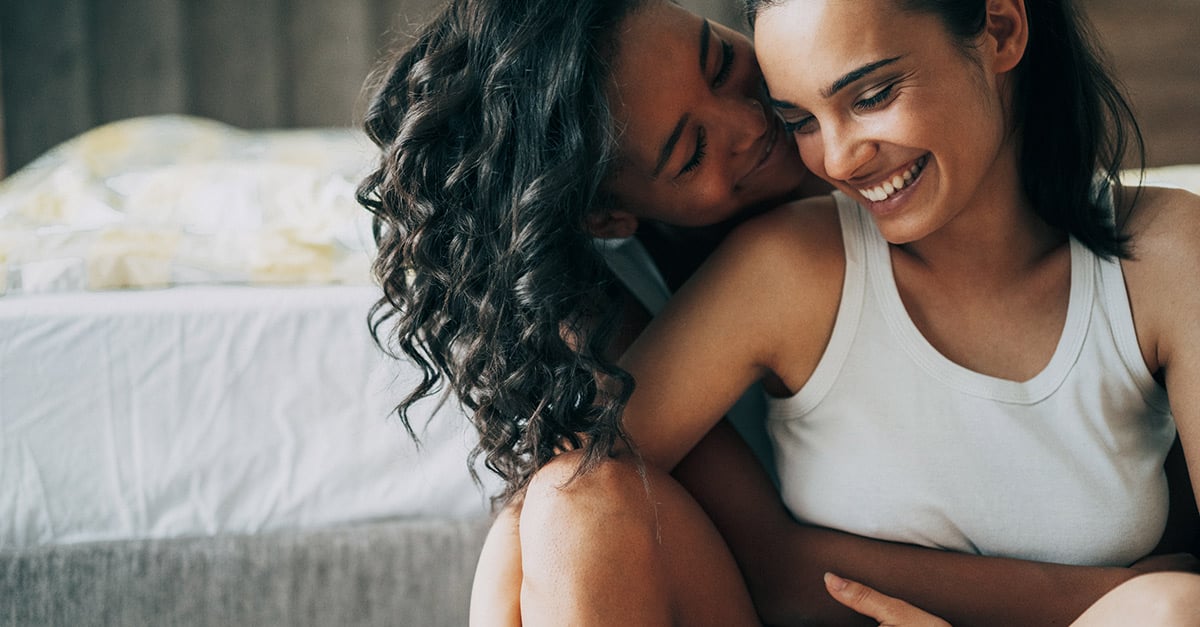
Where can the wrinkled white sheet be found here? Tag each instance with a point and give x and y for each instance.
(175, 200)
(209, 409)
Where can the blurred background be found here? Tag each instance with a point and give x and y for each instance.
(69, 65)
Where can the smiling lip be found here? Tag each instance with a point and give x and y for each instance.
(884, 197)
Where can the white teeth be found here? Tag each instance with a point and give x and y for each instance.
(898, 182)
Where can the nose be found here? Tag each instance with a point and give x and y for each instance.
(748, 124)
(845, 151)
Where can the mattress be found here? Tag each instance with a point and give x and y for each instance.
(199, 410)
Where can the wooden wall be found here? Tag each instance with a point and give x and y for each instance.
(68, 65)
(1154, 47)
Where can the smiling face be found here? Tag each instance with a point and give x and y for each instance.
(699, 143)
(889, 108)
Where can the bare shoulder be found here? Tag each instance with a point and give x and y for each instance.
(1164, 221)
(1164, 230)
(1161, 277)
(806, 230)
(793, 248)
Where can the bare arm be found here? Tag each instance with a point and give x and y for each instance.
(783, 561)
(1164, 291)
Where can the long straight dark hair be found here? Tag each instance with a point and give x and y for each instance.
(496, 137)
(1073, 121)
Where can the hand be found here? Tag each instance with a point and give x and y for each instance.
(1185, 562)
(890, 612)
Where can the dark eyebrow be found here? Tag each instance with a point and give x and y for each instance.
(669, 147)
(854, 75)
(705, 35)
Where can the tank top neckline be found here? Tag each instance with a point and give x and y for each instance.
(959, 377)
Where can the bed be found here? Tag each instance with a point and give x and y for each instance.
(194, 420)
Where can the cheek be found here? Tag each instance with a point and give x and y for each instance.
(811, 152)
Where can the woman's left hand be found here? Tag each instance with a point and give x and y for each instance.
(889, 611)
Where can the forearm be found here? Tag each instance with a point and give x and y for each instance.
(963, 589)
(783, 561)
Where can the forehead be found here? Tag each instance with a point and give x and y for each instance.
(806, 43)
(656, 71)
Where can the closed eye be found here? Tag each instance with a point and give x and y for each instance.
(726, 64)
(698, 155)
(875, 100)
(801, 126)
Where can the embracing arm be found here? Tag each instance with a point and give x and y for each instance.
(783, 561)
(768, 295)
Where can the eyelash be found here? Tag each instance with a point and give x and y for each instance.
(874, 101)
(726, 65)
(718, 80)
(698, 156)
(866, 104)
(796, 127)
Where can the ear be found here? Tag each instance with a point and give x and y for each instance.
(1008, 28)
(612, 224)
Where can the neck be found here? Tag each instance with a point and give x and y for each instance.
(996, 237)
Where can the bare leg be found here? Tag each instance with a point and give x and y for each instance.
(496, 590)
(1164, 599)
(615, 547)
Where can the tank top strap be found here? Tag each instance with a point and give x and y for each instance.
(1114, 298)
(845, 328)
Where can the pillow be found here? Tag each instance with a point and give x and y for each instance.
(1181, 176)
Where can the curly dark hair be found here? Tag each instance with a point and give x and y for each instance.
(496, 138)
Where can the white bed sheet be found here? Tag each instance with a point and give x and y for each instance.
(211, 409)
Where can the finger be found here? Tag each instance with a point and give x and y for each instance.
(883, 608)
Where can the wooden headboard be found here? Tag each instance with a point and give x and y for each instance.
(69, 65)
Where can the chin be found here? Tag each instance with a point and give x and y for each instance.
(900, 232)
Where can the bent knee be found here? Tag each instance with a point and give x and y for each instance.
(1163, 599)
(584, 535)
(613, 489)
(1170, 598)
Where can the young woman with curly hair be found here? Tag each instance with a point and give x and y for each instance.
(514, 134)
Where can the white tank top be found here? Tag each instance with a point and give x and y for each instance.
(890, 439)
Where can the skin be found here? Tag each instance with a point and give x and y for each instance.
(1164, 599)
(783, 562)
